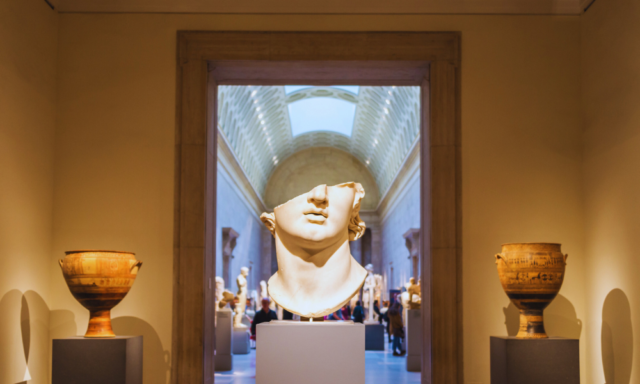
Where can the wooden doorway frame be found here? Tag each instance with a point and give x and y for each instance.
(208, 59)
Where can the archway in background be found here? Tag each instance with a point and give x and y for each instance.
(208, 59)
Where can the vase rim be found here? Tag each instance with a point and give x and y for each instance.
(96, 251)
(532, 243)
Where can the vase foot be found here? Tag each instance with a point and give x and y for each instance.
(531, 325)
(100, 325)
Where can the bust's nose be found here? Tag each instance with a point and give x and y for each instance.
(318, 195)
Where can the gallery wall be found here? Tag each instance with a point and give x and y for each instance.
(611, 95)
(521, 154)
(233, 212)
(28, 65)
(403, 215)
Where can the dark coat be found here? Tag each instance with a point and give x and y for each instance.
(358, 314)
(262, 317)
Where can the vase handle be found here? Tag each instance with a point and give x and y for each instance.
(565, 258)
(60, 261)
(137, 264)
(498, 256)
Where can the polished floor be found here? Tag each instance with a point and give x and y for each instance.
(380, 368)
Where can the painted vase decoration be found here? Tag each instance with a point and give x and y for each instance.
(99, 280)
(531, 274)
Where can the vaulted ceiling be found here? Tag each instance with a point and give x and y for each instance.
(566, 7)
(256, 122)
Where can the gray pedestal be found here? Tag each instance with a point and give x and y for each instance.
(241, 342)
(310, 353)
(224, 326)
(374, 337)
(77, 360)
(414, 340)
(534, 361)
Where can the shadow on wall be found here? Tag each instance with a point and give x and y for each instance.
(156, 361)
(560, 319)
(24, 338)
(617, 338)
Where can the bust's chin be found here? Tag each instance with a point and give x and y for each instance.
(318, 304)
(318, 284)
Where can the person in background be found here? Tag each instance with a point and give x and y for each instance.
(376, 310)
(397, 328)
(337, 315)
(358, 313)
(383, 311)
(386, 319)
(346, 312)
(264, 315)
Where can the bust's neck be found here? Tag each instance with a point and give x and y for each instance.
(314, 284)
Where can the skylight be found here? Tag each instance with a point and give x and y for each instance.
(288, 89)
(322, 114)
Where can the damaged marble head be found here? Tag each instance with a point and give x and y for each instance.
(316, 272)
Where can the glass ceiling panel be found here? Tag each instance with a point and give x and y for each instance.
(288, 89)
(322, 114)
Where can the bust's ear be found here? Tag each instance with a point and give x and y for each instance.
(269, 220)
(356, 225)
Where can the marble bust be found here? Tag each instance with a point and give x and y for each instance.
(316, 272)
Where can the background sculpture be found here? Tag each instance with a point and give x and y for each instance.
(369, 293)
(415, 298)
(378, 289)
(242, 297)
(316, 272)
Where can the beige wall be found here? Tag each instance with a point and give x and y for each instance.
(304, 170)
(28, 53)
(611, 110)
(521, 156)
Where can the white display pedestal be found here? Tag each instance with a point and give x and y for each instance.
(414, 340)
(241, 342)
(310, 353)
(224, 325)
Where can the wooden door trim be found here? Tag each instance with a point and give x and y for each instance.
(205, 59)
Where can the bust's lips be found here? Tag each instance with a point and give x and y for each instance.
(316, 215)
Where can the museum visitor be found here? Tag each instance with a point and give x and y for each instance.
(264, 315)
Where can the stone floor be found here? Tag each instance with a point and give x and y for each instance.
(380, 368)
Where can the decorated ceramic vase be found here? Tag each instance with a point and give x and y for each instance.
(99, 280)
(531, 275)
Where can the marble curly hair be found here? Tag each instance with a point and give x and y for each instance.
(356, 225)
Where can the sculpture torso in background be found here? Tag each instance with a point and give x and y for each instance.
(415, 295)
(219, 289)
(378, 289)
(316, 272)
(242, 298)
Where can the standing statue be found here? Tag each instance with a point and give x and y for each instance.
(316, 272)
(369, 293)
(264, 294)
(242, 297)
(415, 299)
(378, 289)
